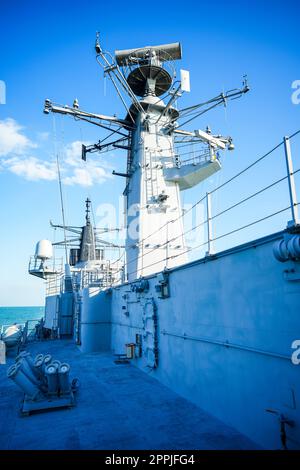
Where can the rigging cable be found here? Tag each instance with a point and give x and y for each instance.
(220, 213)
(60, 188)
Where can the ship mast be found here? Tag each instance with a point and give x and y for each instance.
(87, 242)
(155, 173)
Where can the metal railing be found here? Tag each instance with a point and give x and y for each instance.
(102, 277)
(209, 237)
(54, 284)
(45, 268)
(285, 203)
(195, 156)
(292, 206)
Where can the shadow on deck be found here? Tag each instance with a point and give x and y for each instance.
(118, 407)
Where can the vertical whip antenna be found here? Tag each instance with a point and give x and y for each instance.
(62, 206)
(60, 189)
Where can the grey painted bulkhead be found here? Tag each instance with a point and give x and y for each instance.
(59, 313)
(224, 336)
(65, 319)
(95, 320)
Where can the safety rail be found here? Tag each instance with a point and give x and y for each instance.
(292, 205)
(43, 269)
(202, 156)
(90, 279)
(100, 278)
(210, 237)
(54, 284)
(103, 276)
(197, 153)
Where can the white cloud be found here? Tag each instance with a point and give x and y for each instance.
(32, 168)
(83, 174)
(87, 176)
(72, 153)
(16, 150)
(12, 140)
(43, 136)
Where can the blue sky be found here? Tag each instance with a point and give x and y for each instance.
(47, 52)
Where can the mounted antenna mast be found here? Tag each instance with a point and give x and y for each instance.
(150, 132)
(87, 211)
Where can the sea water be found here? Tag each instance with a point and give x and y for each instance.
(10, 315)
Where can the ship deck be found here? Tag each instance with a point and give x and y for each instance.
(118, 407)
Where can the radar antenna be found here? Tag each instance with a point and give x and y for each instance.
(150, 133)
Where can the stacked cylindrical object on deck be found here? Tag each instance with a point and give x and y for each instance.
(28, 358)
(40, 377)
(38, 363)
(26, 369)
(15, 373)
(52, 379)
(64, 381)
(46, 361)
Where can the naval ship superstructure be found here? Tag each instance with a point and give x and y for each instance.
(218, 330)
(86, 267)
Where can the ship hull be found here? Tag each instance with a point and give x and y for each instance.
(225, 338)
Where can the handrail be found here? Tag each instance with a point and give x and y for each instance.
(289, 176)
